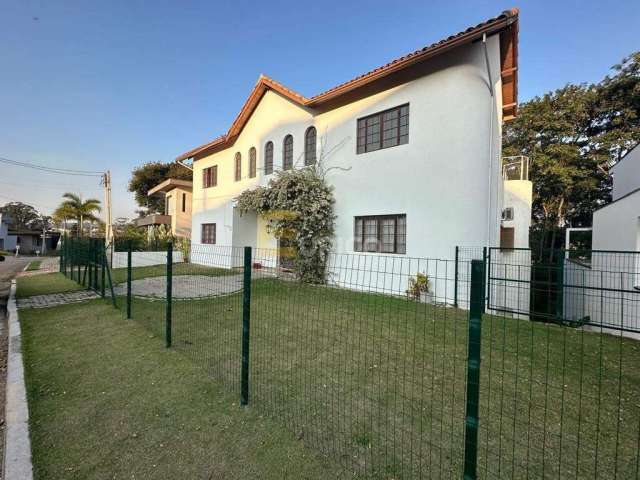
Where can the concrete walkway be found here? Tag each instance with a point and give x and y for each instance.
(183, 286)
(56, 299)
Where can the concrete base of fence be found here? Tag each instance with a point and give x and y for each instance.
(17, 452)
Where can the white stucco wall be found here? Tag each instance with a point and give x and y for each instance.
(180, 221)
(616, 226)
(518, 194)
(626, 174)
(446, 179)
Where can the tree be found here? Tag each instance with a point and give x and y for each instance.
(572, 136)
(63, 214)
(21, 214)
(81, 210)
(149, 175)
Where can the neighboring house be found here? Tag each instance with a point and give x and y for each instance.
(7, 242)
(412, 149)
(605, 288)
(30, 241)
(616, 226)
(177, 214)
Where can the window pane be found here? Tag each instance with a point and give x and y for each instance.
(310, 147)
(383, 130)
(268, 158)
(357, 235)
(252, 162)
(371, 235)
(388, 226)
(401, 234)
(238, 167)
(287, 153)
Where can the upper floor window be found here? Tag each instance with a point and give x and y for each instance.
(167, 205)
(310, 146)
(252, 162)
(210, 177)
(268, 158)
(184, 202)
(384, 129)
(287, 152)
(238, 167)
(381, 233)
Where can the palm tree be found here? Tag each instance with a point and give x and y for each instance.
(81, 210)
(62, 215)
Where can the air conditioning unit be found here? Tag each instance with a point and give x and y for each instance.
(507, 214)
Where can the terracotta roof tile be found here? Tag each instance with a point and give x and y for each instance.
(506, 22)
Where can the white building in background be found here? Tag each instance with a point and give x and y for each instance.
(616, 226)
(412, 149)
(606, 289)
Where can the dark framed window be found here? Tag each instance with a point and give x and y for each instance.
(210, 177)
(167, 205)
(238, 167)
(208, 234)
(184, 202)
(380, 233)
(252, 162)
(310, 146)
(287, 152)
(385, 129)
(268, 158)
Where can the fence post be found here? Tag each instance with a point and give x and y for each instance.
(486, 261)
(103, 264)
(129, 275)
(560, 285)
(476, 307)
(169, 285)
(455, 285)
(246, 322)
(62, 256)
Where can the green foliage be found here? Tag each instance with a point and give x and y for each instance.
(572, 136)
(299, 207)
(80, 210)
(149, 175)
(21, 214)
(418, 285)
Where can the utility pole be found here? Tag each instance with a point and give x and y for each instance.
(108, 225)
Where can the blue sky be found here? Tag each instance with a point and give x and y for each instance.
(97, 85)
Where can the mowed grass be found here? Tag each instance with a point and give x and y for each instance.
(45, 284)
(34, 265)
(107, 401)
(379, 383)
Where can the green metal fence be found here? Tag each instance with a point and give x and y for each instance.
(388, 375)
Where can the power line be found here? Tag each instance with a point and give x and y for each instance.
(49, 186)
(43, 168)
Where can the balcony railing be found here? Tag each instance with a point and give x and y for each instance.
(515, 168)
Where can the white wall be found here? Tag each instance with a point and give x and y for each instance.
(144, 259)
(616, 226)
(180, 221)
(446, 179)
(626, 174)
(518, 194)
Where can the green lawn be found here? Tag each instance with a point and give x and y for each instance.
(378, 383)
(45, 284)
(107, 401)
(34, 265)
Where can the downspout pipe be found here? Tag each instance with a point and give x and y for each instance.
(492, 106)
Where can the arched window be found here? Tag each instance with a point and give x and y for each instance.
(287, 152)
(252, 162)
(268, 158)
(310, 146)
(238, 166)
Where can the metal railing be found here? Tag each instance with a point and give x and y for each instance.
(400, 367)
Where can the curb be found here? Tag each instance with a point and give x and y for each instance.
(17, 453)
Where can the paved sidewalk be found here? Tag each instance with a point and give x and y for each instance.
(48, 265)
(56, 299)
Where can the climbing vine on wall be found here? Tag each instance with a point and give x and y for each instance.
(298, 205)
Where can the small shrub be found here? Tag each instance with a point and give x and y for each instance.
(418, 285)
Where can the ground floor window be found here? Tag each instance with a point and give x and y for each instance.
(380, 233)
(209, 233)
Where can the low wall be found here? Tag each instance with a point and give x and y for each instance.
(143, 259)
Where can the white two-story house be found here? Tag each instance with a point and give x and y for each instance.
(417, 143)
